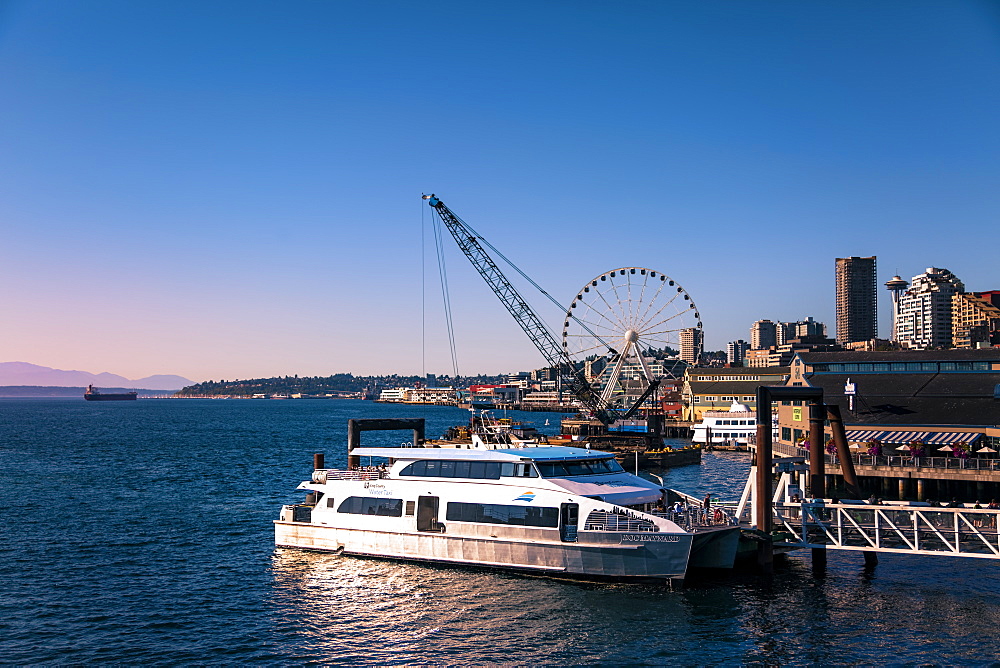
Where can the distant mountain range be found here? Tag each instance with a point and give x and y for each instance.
(22, 373)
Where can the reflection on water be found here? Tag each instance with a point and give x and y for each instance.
(376, 611)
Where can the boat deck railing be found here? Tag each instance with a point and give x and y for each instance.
(364, 473)
(694, 518)
(604, 521)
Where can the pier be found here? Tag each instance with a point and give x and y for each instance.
(791, 515)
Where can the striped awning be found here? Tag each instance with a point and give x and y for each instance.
(860, 436)
(896, 436)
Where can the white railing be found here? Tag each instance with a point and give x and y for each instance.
(599, 520)
(323, 475)
(910, 529)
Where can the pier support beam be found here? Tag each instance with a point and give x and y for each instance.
(921, 489)
(355, 427)
(762, 500)
(763, 493)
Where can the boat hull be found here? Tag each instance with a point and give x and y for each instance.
(129, 396)
(603, 555)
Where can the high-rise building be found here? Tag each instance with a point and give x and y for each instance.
(975, 319)
(763, 334)
(809, 327)
(857, 299)
(691, 342)
(786, 331)
(925, 310)
(736, 351)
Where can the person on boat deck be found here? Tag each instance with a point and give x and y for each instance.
(707, 503)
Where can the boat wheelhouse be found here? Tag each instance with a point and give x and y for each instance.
(556, 510)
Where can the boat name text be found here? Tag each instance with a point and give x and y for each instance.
(650, 538)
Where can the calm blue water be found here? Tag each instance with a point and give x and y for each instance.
(140, 532)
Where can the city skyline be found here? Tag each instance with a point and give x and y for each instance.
(233, 190)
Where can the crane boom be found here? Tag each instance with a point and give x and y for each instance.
(523, 314)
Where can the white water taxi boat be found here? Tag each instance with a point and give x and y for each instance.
(561, 511)
(735, 427)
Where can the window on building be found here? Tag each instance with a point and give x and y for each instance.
(786, 433)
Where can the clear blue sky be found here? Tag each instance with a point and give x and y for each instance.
(232, 189)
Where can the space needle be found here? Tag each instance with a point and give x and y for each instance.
(896, 286)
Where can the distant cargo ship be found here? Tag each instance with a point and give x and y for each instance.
(93, 395)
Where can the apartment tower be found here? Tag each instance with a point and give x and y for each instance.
(691, 342)
(857, 318)
(925, 310)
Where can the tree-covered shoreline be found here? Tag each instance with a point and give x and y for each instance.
(319, 386)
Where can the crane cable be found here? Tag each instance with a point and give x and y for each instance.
(445, 292)
(568, 312)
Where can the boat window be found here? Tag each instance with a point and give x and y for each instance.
(453, 469)
(575, 468)
(512, 470)
(369, 505)
(578, 468)
(551, 469)
(330, 502)
(492, 513)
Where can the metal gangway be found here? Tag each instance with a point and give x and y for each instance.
(882, 526)
(907, 528)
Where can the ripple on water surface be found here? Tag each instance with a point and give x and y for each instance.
(141, 533)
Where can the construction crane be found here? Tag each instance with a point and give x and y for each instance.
(532, 325)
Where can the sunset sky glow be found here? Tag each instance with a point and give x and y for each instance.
(232, 189)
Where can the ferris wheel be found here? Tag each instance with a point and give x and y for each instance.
(624, 316)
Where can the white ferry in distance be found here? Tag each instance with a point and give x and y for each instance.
(561, 511)
(737, 426)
